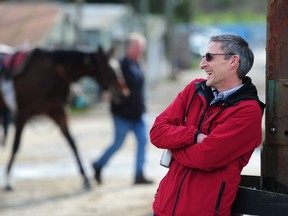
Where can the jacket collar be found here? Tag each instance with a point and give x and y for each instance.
(247, 92)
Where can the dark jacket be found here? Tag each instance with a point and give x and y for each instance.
(134, 105)
(203, 178)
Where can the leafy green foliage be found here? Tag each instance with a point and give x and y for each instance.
(228, 17)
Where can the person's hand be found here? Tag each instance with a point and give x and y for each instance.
(106, 96)
(201, 137)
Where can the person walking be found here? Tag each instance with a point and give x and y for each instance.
(129, 115)
(211, 130)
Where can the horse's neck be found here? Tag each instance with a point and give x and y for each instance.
(63, 73)
(71, 65)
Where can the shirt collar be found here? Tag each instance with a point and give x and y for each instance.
(223, 95)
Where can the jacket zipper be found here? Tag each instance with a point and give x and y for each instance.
(222, 187)
(202, 120)
(189, 106)
(210, 125)
(178, 193)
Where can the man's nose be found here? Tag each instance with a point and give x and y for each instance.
(203, 63)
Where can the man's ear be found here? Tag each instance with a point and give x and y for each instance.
(235, 60)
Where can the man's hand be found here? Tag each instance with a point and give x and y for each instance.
(201, 137)
(106, 96)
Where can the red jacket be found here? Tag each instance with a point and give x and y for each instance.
(203, 178)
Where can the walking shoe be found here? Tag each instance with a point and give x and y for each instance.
(97, 174)
(140, 179)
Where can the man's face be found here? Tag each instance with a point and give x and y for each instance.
(217, 68)
(136, 50)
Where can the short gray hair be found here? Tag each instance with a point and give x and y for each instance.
(135, 36)
(235, 44)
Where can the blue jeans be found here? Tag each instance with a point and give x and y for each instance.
(121, 128)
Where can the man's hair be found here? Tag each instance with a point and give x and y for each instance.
(135, 36)
(234, 44)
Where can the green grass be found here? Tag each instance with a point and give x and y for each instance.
(228, 17)
(76, 111)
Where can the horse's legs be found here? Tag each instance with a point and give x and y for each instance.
(61, 120)
(6, 115)
(19, 128)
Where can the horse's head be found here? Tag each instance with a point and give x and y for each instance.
(110, 75)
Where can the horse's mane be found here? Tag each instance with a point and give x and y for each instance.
(68, 55)
(80, 55)
(61, 55)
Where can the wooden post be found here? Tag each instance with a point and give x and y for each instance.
(272, 197)
(274, 158)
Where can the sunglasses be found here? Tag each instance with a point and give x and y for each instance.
(209, 56)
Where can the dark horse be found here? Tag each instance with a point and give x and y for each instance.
(42, 87)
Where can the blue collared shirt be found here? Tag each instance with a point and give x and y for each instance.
(223, 95)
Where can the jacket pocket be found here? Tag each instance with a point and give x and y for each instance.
(219, 198)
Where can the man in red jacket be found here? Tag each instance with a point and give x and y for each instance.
(211, 129)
